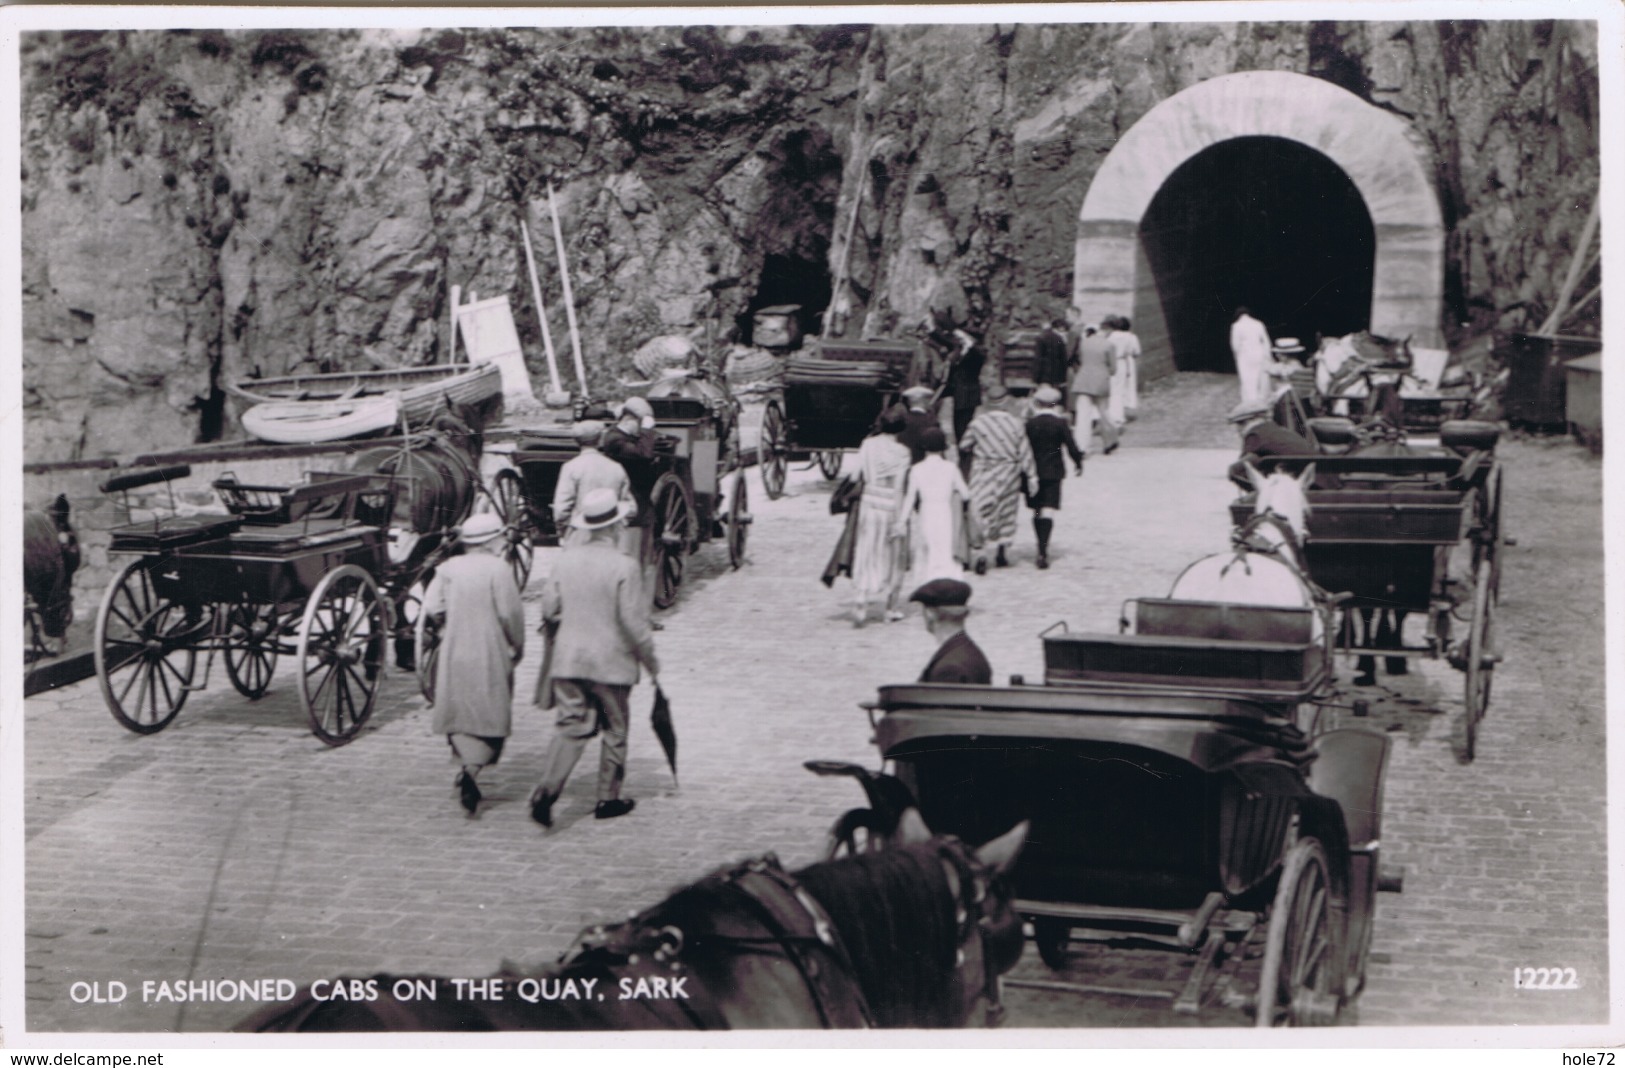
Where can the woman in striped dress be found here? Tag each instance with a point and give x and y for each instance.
(1001, 455)
(879, 560)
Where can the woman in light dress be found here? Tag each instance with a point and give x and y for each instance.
(879, 561)
(938, 492)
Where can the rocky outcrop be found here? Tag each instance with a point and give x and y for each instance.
(198, 206)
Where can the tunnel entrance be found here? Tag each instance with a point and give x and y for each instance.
(1264, 222)
(790, 280)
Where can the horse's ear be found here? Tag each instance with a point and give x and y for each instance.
(1000, 854)
(1306, 478)
(60, 508)
(911, 828)
(1253, 474)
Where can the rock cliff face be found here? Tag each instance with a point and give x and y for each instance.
(201, 205)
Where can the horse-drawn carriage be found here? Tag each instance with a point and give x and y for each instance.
(698, 493)
(1360, 375)
(1403, 529)
(831, 401)
(1184, 788)
(326, 570)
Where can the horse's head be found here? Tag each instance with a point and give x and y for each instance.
(990, 937)
(1284, 496)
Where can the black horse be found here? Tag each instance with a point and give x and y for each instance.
(910, 937)
(50, 557)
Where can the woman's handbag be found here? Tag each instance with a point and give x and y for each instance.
(846, 495)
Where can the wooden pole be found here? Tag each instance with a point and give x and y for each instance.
(541, 312)
(451, 350)
(1561, 309)
(569, 300)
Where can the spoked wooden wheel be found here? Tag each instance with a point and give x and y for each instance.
(426, 640)
(253, 634)
(1480, 655)
(341, 653)
(773, 453)
(673, 535)
(146, 649)
(1051, 936)
(738, 521)
(1301, 984)
(829, 463)
(508, 498)
(1494, 540)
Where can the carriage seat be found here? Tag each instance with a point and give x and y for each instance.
(1225, 621)
(172, 532)
(1468, 435)
(291, 537)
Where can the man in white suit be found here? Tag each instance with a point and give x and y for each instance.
(1250, 342)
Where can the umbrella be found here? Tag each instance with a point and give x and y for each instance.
(660, 720)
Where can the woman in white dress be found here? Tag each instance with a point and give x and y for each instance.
(938, 492)
(879, 561)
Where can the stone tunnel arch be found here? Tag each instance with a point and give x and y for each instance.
(1376, 151)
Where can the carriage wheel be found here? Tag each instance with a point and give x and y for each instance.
(738, 521)
(1300, 984)
(1496, 542)
(829, 463)
(252, 634)
(508, 498)
(857, 832)
(772, 453)
(1051, 936)
(341, 653)
(1480, 655)
(426, 640)
(145, 656)
(673, 519)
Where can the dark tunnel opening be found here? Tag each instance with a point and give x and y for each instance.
(1258, 221)
(790, 280)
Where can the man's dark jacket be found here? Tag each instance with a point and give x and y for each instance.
(636, 454)
(959, 660)
(915, 424)
(1049, 365)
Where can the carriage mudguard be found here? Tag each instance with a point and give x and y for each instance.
(1349, 770)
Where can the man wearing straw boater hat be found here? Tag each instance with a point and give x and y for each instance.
(481, 622)
(593, 603)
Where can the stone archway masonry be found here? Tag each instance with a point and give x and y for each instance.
(1380, 152)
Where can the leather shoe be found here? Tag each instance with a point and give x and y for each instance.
(470, 792)
(541, 807)
(981, 565)
(1043, 562)
(1002, 560)
(608, 810)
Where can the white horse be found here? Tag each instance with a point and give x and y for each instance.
(1266, 565)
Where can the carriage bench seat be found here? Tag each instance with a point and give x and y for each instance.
(1223, 619)
(1290, 668)
(171, 532)
(291, 537)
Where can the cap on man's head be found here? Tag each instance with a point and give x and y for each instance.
(1047, 395)
(995, 393)
(918, 393)
(942, 593)
(588, 432)
(1247, 409)
(1287, 345)
(639, 407)
(480, 528)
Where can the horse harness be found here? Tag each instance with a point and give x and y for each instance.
(795, 924)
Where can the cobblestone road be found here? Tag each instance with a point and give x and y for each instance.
(234, 845)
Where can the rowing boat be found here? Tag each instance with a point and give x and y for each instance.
(301, 422)
(419, 392)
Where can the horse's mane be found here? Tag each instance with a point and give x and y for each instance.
(895, 916)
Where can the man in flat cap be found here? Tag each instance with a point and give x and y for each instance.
(958, 659)
(587, 471)
(1262, 436)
